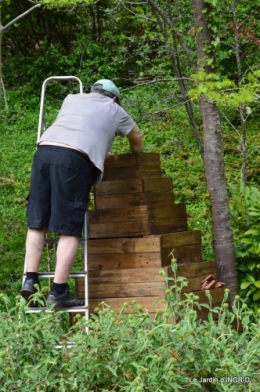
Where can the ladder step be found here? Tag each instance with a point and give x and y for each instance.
(67, 310)
(76, 274)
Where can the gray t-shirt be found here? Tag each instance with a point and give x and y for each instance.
(89, 122)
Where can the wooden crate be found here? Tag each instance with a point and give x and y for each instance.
(133, 192)
(184, 246)
(141, 282)
(151, 304)
(137, 221)
(146, 286)
(134, 232)
(133, 165)
(144, 252)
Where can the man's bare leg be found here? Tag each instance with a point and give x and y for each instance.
(66, 252)
(60, 296)
(34, 247)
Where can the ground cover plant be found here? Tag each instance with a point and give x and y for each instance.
(173, 351)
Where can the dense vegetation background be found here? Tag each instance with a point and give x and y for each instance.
(149, 51)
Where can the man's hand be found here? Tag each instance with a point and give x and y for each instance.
(136, 140)
(109, 154)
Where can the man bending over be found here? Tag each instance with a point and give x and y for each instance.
(68, 161)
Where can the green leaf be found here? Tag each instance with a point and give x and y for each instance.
(252, 231)
(251, 265)
(246, 192)
(257, 284)
(256, 296)
(245, 285)
(250, 278)
(254, 213)
(251, 291)
(246, 240)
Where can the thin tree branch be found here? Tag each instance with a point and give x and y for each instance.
(162, 110)
(170, 24)
(8, 180)
(20, 16)
(4, 92)
(155, 81)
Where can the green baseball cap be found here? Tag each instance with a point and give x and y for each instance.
(108, 85)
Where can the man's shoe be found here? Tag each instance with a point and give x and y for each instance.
(28, 289)
(65, 300)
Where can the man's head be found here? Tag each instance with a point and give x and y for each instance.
(108, 88)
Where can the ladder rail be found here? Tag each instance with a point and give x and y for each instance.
(41, 123)
(85, 256)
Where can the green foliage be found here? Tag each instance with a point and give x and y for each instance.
(63, 3)
(223, 91)
(245, 210)
(132, 351)
(229, 22)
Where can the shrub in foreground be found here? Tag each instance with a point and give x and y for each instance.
(174, 351)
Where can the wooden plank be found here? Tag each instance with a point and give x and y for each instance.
(121, 160)
(134, 185)
(150, 158)
(125, 276)
(132, 159)
(131, 172)
(149, 168)
(118, 290)
(124, 261)
(194, 283)
(119, 201)
(203, 268)
(124, 245)
(106, 283)
(155, 198)
(147, 303)
(217, 296)
(153, 303)
(119, 229)
(175, 240)
(169, 225)
(129, 214)
(169, 212)
(157, 184)
(115, 187)
(134, 199)
(183, 254)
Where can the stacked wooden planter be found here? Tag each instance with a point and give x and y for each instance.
(134, 231)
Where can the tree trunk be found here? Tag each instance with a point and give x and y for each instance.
(214, 163)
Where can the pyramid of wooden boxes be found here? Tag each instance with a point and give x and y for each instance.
(133, 232)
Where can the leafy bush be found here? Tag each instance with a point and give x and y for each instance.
(246, 216)
(133, 352)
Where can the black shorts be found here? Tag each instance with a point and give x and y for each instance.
(60, 184)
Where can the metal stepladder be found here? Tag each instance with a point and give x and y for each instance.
(54, 241)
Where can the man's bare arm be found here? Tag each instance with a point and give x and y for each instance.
(136, 140)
